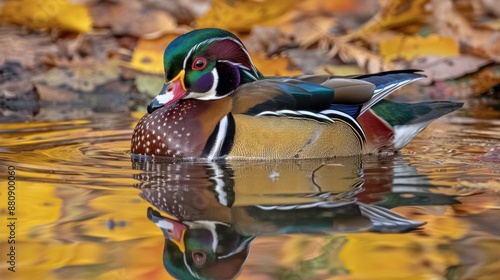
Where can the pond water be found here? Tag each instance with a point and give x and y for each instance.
(85, 210)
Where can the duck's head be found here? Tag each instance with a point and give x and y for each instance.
(201, 249)
(204, 64)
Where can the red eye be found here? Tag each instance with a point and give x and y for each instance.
(199, 63)
(199, 258)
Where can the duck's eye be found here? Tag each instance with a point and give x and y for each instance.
(199, 258)
(199, 63)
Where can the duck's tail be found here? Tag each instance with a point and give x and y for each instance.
(398, 123)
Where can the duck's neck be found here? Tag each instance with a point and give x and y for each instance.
(249, 76)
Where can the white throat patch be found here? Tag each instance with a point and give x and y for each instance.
(210, 94)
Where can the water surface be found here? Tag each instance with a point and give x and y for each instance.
(85, 210)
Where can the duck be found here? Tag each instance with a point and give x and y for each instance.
(216, 105)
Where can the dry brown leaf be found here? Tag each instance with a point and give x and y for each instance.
(349, 52)
(484, 79)
(185, 11)
(42, 14)
(266, 39)
(439, 68)
(309, 30)
(406, 47)
(132, 18)
(338, 70)
(51, 94)
(480, 42)
(491, 6)
(27, 50)
(81, 77)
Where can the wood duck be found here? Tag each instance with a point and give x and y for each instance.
(217, 105)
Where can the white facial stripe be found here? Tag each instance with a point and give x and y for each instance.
(241, 66)
(209, 95)
(208, 41)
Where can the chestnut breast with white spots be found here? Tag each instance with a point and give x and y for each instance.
(179, 131)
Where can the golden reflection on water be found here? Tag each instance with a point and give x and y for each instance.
(80, 217)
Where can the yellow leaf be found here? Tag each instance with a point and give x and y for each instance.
(277, 66)
(241, 15)
(148, 55)
(338, 70)
(395, 13)
(41, 14)
(410, 47)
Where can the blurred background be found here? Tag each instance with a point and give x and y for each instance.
(107, 55)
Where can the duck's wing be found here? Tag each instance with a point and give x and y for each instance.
(387, 82)
(351, 95)
(276, 94)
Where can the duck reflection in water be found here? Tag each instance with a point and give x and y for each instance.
(213, 211)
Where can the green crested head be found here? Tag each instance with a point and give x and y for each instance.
(205, 64)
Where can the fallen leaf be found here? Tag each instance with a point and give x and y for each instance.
(42, 14)
(481, 42)
(51, 94)
(132, 18)
(394, 13)
(242, 15)
(308, 61)
(440, 68)
(349, 52)
(485, 79)
(81, 77)
(338, 70)
(491, 6)
(266, 39)
(185, 11)
(309, 30)
(406, 47)
(276, 66)
(148, 54)
(27, 50)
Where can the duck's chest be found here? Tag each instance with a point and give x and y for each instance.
(181, 131)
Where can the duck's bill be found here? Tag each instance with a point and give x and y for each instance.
(171, 92)
(172, 229)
